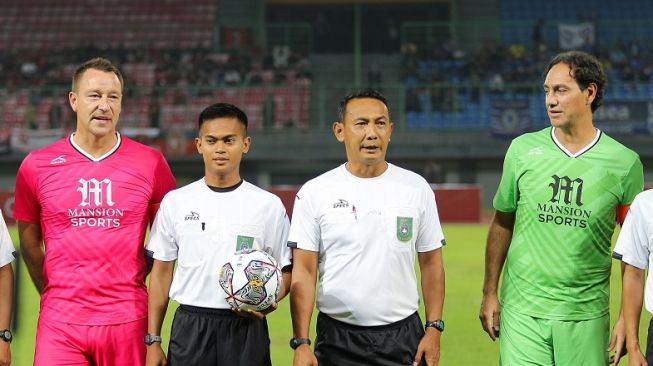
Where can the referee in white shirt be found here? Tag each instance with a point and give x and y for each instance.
(360, 226)
(635, 249)
(200, 226)
(7, 255)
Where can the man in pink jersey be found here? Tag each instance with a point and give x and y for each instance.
(83, 205)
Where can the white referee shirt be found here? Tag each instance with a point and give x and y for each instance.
(367, 232)
(635, 242)
(201, 229)
(7, 251)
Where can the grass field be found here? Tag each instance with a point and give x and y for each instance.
(463, 343)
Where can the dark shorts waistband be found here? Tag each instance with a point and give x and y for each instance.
(368, 328)
(217, 313)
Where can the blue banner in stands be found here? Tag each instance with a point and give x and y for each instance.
(625, 116)
(510, 117)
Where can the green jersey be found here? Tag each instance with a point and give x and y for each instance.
(558, 262)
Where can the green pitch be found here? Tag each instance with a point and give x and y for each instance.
(463, 343)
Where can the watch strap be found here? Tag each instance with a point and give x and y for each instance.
(296, 342)
(151, 339)
(437, 324)
(5, 335)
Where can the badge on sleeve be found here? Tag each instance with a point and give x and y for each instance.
(404, 228)
(244, 243)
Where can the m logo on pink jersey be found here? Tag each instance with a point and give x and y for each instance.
(95, 192)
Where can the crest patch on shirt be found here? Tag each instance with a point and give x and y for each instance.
(244, 243)
(404, 228)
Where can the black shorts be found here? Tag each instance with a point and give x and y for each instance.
(342, 344)
(217, 337)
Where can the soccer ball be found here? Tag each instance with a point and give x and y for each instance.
(251, 280)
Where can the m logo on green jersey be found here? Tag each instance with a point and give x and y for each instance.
(566, 190)
(404, 228)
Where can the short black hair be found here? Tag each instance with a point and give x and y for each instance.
(97, 63)
(585, 69)
(364, 93)
(222, 110)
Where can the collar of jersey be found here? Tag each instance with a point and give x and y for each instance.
(81, 151)
(347, 173)
(579, 152)
(225, 189)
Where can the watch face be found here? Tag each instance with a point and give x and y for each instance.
(6, 335)
(437, 324)
(440, 325)
(150, 339)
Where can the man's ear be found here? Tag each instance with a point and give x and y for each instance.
(72, 99)
(339, 130)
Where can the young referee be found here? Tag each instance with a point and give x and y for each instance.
(360, 226)
(200, 226)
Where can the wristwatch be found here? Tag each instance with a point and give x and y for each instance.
(151, 338)
(6, 335)
(437, 324)
(296, 342)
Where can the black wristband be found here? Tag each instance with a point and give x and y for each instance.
(296, 342)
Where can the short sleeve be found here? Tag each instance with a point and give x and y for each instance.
(164, 181)
(507, 195)
(304, 227)
(633, 243)
(7, 251)
(430, 236)
(277, 236)
(633, 182)
(162, 244)
(26, 206)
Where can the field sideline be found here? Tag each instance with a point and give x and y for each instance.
(463, 343)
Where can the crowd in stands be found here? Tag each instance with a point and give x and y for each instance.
(198, 67)
(34, 85)
(497, 64)
(447, 74)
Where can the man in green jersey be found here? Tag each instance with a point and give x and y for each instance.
(561, 192)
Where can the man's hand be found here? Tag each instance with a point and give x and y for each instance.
(155, 355)
(618, 341)
(304, 356)
(490, 315)
(636, 359)
(428, 348)
(256, 314)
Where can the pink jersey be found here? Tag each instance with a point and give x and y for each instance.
(94, 214)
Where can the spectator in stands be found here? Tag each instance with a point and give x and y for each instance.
(537, 37)
(54, 114)
(280, 56)
(374, 76)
